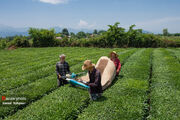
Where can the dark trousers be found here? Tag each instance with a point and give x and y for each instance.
(61, 82)
(95, 96)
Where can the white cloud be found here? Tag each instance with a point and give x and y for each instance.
(156, 25)
(84, 24)
(54, 1)
(160, 21)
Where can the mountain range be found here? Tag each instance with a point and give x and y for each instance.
(6, 31)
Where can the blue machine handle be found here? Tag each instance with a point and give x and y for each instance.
(74, 82)
(73, 75)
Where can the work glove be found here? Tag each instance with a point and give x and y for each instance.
(86, 83)
(68, 75)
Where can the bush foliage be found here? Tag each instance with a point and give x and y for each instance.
(42, 37)
(148, 86)
(115, 36)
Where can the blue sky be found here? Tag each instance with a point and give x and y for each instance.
(150, 15)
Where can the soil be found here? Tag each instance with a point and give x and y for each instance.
(12, 47)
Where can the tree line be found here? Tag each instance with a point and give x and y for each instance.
(115, 36)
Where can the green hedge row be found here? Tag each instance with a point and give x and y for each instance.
(165, 95)
(117, 36)
(32, 91)
(13, 82)
(63, 103)
(18, 55)
(126, 98)
(36, 89)
(33, 66)
(41, 73)
(175, 53)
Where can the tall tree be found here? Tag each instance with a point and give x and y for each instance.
(65, 32)
(95, 32)
(115, 35)
(72, 34)
(101, 32)
(81, 34)
(165, 32)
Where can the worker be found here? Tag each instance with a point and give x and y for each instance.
(95, 90)
(115, 59)
(62, 69)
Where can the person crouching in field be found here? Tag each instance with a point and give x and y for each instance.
(62, 68)
(115, 59)
(95, 90)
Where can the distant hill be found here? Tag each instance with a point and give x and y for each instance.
(59, 29)
(144, 31)
(11, 31)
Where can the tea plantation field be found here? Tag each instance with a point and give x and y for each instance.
(148, 87)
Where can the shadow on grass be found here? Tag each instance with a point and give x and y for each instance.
(115, 81)
(77, 87)
(101, 99)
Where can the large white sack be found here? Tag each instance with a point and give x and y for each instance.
(107, 70)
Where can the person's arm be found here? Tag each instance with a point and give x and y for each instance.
(68, 69)
(118, 67)
(96, 82)
(57, 70)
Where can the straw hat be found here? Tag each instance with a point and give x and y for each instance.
(87, 64)
(113, 52)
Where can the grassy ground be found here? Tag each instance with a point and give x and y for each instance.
(148, 86)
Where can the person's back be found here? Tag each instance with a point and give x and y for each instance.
(95, 81)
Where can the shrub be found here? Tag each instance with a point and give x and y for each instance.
(20, 41)
(3, 44)
(64, 103)
(42, 37)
